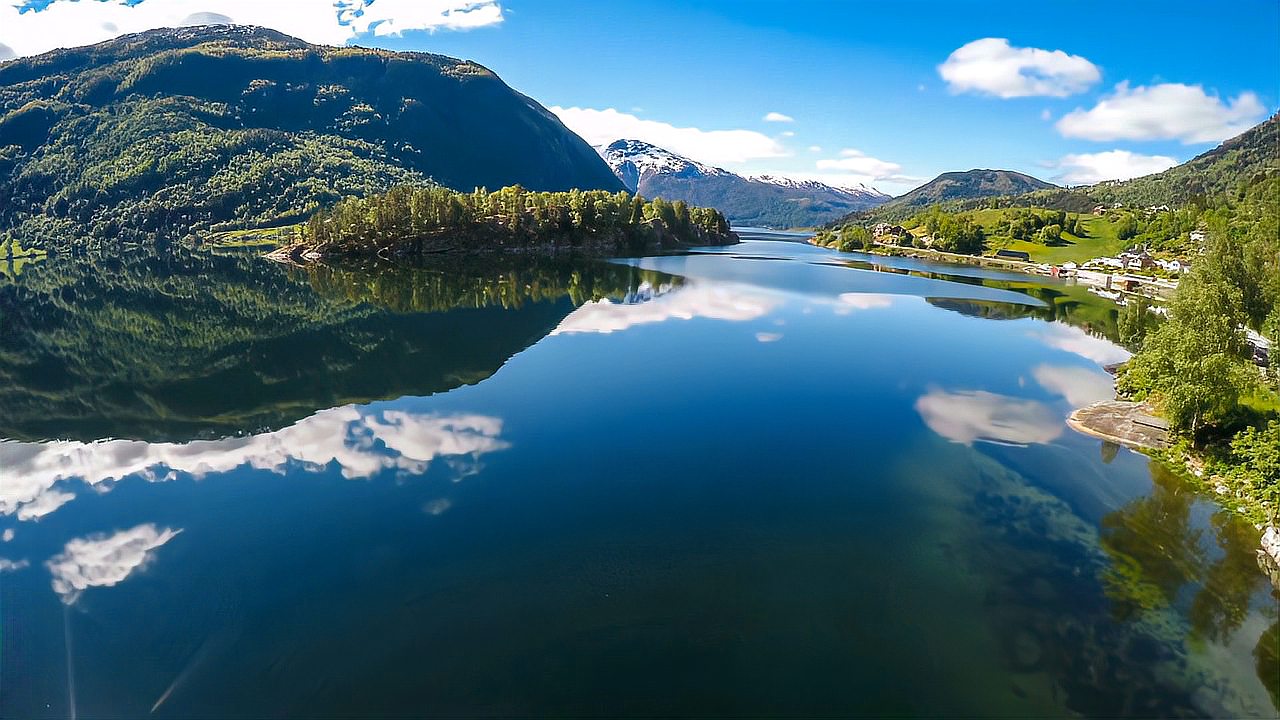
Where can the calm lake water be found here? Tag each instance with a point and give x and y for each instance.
(764, 480)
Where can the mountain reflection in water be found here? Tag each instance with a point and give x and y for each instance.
(767, 479)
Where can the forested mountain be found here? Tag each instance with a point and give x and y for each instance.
(763, 201)
(969, 184)
(160, 133)
(1232, 167)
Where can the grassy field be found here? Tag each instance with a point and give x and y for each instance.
(1099, 239)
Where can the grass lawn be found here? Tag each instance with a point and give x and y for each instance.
(1099, 239)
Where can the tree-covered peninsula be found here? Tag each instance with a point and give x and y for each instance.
(410, 221)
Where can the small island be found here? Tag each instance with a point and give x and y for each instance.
(416, 221)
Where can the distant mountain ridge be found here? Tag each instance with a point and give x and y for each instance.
(171, 131)
(763, 200)
(1231, 167)
(970, 184)
(951, 188)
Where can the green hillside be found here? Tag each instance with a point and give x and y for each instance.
(155, 135)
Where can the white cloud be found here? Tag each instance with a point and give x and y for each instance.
(7, 565)
(768, 337)
(67, 23)
(815, 148)
(1168, 111)
(359, 440)
(858, 163)
(717, 302)
(718, 147)
(105, 560)
(1046, 114)
(1089, 168)
(853, 168)
(991, 66)
(8, 535)
(787, 134)
(778, 117)
(965, 416)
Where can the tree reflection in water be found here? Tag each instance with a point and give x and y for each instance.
(1156, 554)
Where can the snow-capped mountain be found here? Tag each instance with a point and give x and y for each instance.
(635, 161)
(764, 200)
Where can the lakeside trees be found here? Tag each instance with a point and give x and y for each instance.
(1198, 368)
(417, 219)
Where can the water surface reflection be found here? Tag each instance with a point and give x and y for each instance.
(760, 480)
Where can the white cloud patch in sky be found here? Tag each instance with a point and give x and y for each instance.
(7, 565)
(859, 163)
(778, 117)
(1168, 111)
(991, 66)
(717, 147)
(67, 23)
(853, 168)
(105, 560)
(1089, 168)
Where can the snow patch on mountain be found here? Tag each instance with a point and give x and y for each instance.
(858, 190)
(633, 161)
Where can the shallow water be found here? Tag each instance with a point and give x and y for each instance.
(766, 479)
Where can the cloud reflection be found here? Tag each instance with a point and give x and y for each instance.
(1080, 386)
(717, 302)
(1074, 340)
(863, 301)
(359, 440)
(104, 560)
(966, 416)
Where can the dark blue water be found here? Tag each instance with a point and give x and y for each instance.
(762, 481)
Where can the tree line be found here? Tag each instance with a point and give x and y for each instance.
(1199, 368)
(429, 218)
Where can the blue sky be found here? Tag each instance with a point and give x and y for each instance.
(1135, 87)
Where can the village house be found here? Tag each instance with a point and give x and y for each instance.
(1174, 266)
(1137, 259)
(886, 231)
